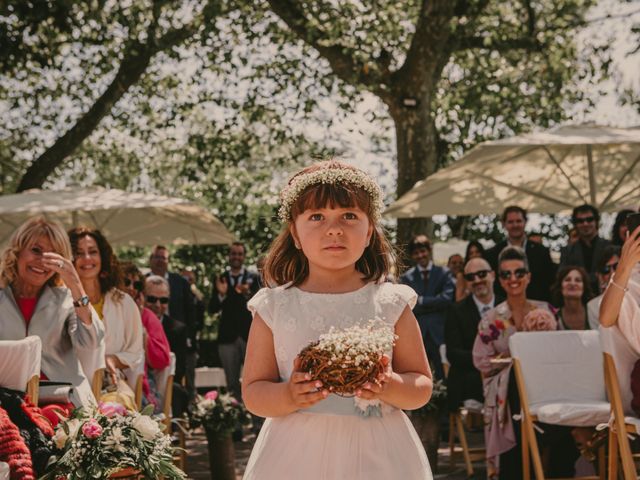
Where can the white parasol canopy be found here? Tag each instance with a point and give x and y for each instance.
(546, 172)
(124, 218)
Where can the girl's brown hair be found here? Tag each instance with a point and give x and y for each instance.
(110, 273)
(285, 263)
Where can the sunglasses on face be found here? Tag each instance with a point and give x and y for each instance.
(162, 300)
(585, 220)
(469, 277)
(137, 284)
(609, 268)
(518, 272)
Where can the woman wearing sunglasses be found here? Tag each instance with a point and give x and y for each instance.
(156, 346)
(491, 356)
(571, 292)
(100, 274)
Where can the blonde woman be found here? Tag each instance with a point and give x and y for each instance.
(42, 295)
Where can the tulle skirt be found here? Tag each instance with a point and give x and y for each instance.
(330, 447)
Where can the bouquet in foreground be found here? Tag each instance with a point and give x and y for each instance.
(344, 360)
(97, 442)
(220, 413)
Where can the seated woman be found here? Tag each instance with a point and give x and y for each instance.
(491, 357)
(156, 345)
(42, 295)
(570, 293)
(99, 272)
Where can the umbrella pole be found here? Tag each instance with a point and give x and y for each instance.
(592, 177)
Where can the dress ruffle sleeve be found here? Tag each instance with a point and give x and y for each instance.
(263, 303)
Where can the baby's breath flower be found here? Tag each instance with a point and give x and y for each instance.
(332, 174)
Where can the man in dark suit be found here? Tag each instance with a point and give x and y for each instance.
(181, 308)
(157, 299)
(435, 288)
(543, 270)
(232, 291)
(460, 330)
(587, 252)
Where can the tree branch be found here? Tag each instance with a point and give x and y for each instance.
(522, 43)
(135, 62)
(340, 58)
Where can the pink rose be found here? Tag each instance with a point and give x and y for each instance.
(92, 429)
(211, 395)
(539, 320)
(110, 409)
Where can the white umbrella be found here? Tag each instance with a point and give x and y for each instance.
(546, 172)
(124, 218)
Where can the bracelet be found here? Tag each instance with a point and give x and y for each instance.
(624, 289)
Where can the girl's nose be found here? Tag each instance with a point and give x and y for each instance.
(334, 228)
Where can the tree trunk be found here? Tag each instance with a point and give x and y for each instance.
(131, 69)
(416, 143)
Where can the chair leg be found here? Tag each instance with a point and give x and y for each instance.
(613, 455)
(526, 460)
(602, 470)
(452, 436)
(465, 447)
(527, 424)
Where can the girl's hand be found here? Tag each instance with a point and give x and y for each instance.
(373, 390)
(303, 391)
(111, 363)
(60, 265)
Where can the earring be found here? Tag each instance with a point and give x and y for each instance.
(367, 244)
(297, 245)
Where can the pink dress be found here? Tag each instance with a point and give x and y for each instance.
(157, 351)
(331, 440)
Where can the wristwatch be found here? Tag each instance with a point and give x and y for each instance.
(83, 301)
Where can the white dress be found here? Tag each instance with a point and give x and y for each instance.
(331, 440)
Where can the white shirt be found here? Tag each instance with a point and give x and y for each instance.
(484, 307)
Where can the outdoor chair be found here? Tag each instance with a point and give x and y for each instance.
(457, 422)
(619, 360)
(20, 365)
(164, 384)
(560, 380)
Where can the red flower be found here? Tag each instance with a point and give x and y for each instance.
(499, 324)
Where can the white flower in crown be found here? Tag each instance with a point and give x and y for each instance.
(330, 175)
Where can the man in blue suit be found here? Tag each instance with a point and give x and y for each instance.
(435, 288)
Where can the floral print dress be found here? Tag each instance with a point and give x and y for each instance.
(492, 343)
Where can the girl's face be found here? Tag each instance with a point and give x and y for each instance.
(514, 277)
(572, 285)
(87, 258)
(332, 238)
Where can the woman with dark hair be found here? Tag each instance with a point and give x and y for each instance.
(619, 229)
(571, 292)
(100, 274)
(474, 249)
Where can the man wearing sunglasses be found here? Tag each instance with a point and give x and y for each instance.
(460, 330)
(543, 270)
(435, 288)
(156, 299)
(605, 270)
(588, 251)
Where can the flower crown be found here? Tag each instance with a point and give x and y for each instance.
(333, 173)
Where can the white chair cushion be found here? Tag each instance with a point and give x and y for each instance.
(210, 377)
(572, 413)
(19, 361)
(560, 367)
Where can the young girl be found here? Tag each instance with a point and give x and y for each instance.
(327, 268)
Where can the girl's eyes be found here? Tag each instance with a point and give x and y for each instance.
(36, 250)
(316, 217)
